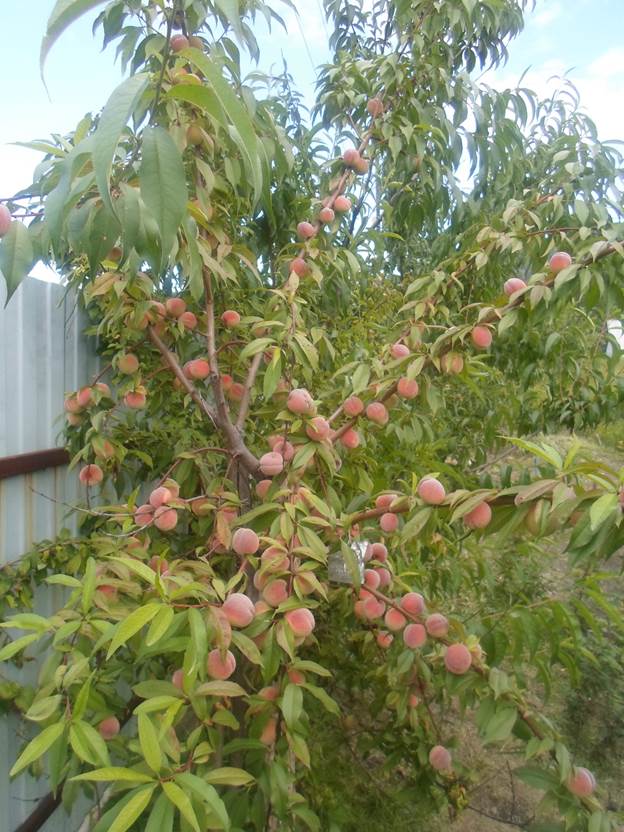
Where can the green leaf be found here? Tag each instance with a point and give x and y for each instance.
(537, 778)
(148, 740)
(500, 725)
(88, 744)
(42, 709)
(114, 774)
(159, 626)
(352, 562)
(64, 13)
(37, 747)
(161, 816)
(217, 688)
(292, 704)
(207, 793)
(227, 776)
(218, 88)
(88, 586)
(114, 118)
(163, 185)
(131, 625)
(324, 698)
(16, 257)
(14, 647)
(133, 809)
(182, 802)
(602, 508)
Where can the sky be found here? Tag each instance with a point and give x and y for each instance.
(579, 37)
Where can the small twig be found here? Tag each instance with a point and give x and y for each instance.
(249, 383)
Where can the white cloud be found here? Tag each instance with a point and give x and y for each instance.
(546, 16)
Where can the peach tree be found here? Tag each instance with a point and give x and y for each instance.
(319, 333)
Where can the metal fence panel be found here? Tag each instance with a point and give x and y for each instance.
(42, 355)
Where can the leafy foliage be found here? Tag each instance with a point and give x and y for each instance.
(192, 673)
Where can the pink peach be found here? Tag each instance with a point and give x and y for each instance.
(219, 665)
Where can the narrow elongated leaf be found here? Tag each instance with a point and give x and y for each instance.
(88, 744)
(37, 747)
(161, 816)
(114, 773)
(228, 776)
(207, 793)
(114, 118)
(133, 809)
(182, 802)
(148, 740)
(131, 625)
(16, 257)
(15, 646)
(292, 704)
(163, 184)
(64, 13)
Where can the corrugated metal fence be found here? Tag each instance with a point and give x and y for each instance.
(42, 355)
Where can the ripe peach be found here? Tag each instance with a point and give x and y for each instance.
(371, 578)
(413, 700)
(188, 320)
(326, 215)
(269, 693)
(135, 400)
(105, 450)
(230, 318)
(261, 607)
(379, 552)
(91, 475)
(300, 401)
(109, 727)
(481, 337)
(377, 413)
(238, 609)
(305, 230)
(389, 522)
(236, 391)
(71, 404)
(440, 758)
(178, 43)
(84, 397)
(479, 517)
(271, 464)
(220, 666)
(318, 429)
(296, 676)
(175, 307)
(350, 157)
(299, 267)
(269, 732)
(457, 659)
(158, 308)
(413, 603)
(384, 639)
(353, 406)
(385, 500)
(559, 261)
(385, 578)
(262, 488)
(372, 608)
(407, 388)
(414, 635)
(437, 625)
(5, 220)
(375, 107)
(350, 439)
(74, 419)
(177, 678)
(245, 542)
(581, 782)
(128, 363)
(144, 515)
(197, 369)
(431, 491)
(452, 363)
(399, 350)
(361, 166)
(160, 496)
(300, 621)
(514, 284)
(275, 592)
(165, 519)
(394, 619)
(358, 609)
(342, 204)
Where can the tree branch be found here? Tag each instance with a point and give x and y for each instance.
(249, 383)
